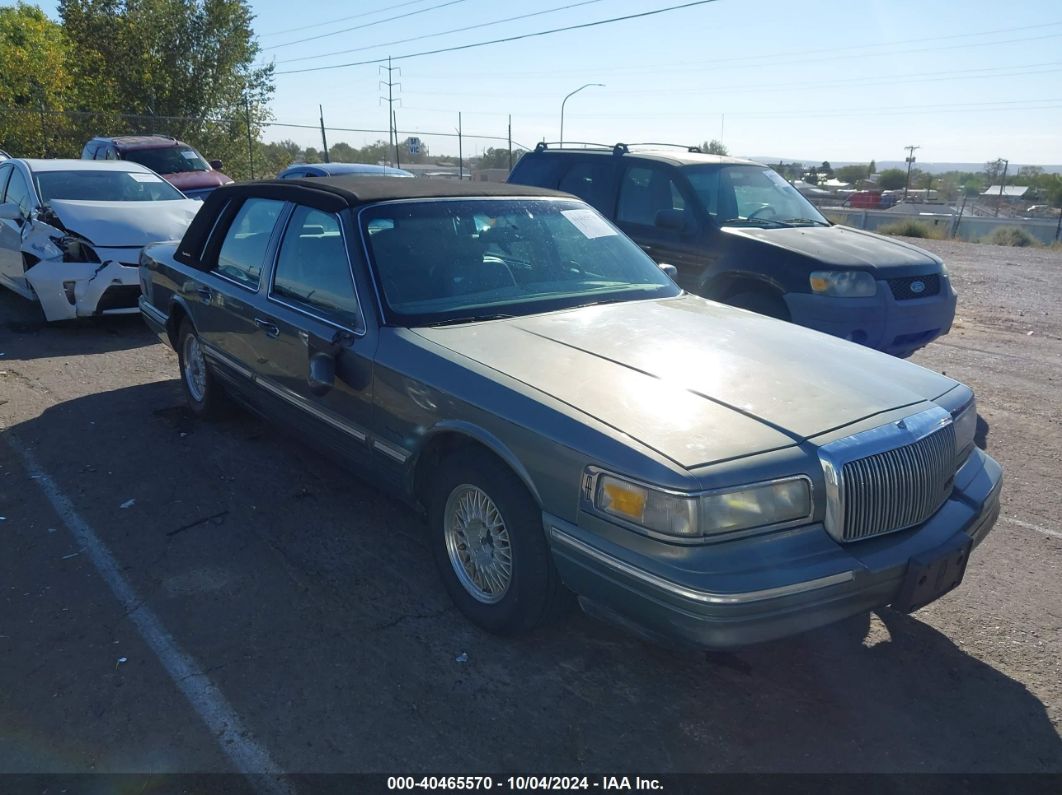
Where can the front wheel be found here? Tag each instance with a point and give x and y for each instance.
(490, 548)
(204, 394)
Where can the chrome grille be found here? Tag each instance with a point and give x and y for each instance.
(889, 478)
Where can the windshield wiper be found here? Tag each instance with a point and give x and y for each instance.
(812, 221)
(454, 321)
(754, 221)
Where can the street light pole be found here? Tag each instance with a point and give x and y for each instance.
(565, 100)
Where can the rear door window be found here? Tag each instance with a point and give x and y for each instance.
(243, 249)
(313, 270)
(645, 192)
(589, 180)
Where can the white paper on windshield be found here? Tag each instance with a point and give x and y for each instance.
(144, 177)
(190, 155)
(589, 223)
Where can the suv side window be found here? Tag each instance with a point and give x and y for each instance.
(109, 153)
(313, 270)
(589, 180)
(18, 192)
(644, 192)
(5, 172)
(243, 249)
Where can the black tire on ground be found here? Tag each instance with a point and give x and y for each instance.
(534, 594)
(762, 302)
(206, 397)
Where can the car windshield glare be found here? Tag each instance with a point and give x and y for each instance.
(752, 196)
(464, 260)
(105, 185)
(168, 160)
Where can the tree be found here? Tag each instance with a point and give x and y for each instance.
(714, 147)
(851, 174)
(872, 168)
(892, 179)
(498, 157)
(33, 80)
(826, 169)
(811, 176)
(185, 67)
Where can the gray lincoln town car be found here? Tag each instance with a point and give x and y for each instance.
(566, 417)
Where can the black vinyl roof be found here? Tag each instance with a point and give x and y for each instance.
(357, 189)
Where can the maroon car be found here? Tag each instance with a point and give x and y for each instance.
(180, 164)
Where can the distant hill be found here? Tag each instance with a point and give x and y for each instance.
(930, 168)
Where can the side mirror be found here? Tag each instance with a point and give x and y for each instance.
(216, 165)
(669, 269)
(9, 211)
(322, 375)
(670, 219)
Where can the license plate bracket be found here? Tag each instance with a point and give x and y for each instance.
(933, 574)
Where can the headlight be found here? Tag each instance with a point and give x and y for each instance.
(75, 249)
(845, 284)
(965, 423)
(698, 516)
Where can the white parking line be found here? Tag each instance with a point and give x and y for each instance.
(1047, 531)
(246, 756)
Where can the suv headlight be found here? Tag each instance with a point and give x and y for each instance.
(698, 516)
(965, 422)
(844, 284)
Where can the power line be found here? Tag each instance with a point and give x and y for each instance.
(442, 33)
(390, 7)
(366, 25)
(507, 38)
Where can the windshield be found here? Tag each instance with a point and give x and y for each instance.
(466, 260)
(168, 160)
(751, 196)
(105, 186)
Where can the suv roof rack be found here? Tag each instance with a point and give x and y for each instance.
(617, 149)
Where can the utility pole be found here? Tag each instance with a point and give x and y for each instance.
(394, 123)
(510, 143)
(460, 151)
(250, 142)
(910, 162)
(1002, 182)
(392, 133)
(324, 141)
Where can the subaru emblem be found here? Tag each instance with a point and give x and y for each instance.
(918, 286)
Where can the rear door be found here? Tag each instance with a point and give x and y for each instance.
(223, 298)
(314, 352)
(17, 191)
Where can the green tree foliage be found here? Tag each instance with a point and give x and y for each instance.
(892, 179)
(851, 174)
(180, 67)
(715, 147)
(34, 79)
(498, 157)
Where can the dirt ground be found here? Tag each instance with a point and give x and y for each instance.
(308, 604)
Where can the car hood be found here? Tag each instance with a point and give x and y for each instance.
(125, 223)
(839, 246)
(196, 180)
(697, 381)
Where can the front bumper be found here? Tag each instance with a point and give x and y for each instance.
(789, 581)
(69, 290)
(880, 321)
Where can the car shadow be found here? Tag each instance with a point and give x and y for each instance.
(981, 434)
(25, 335)
(330, 632)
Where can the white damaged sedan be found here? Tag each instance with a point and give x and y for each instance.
(71, 232)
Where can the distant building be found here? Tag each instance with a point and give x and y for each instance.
(1010, 192)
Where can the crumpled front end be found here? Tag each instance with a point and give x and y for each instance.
(68, 290)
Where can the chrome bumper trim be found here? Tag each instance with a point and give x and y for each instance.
(692, 594)
(152, 311)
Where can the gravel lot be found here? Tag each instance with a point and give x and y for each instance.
(309, 606)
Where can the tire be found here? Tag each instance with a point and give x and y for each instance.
(205, 396)
(760, 301)
(505, 518)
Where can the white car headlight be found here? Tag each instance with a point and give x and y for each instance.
(965, 422)
(697, 516)
(844, 284)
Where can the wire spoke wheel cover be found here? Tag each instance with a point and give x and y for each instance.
(478, 543)
(195, 373)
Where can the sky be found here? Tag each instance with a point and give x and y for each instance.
(825, 80)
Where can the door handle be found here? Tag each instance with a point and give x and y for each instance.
(268, 327)
(204, 292)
